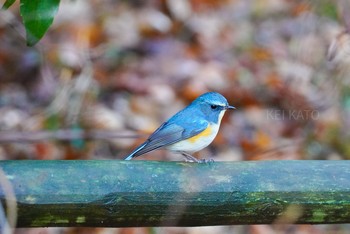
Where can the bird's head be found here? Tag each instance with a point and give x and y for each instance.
(213, 105)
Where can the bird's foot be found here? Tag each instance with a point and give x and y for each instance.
(190, 158)
(204, 160)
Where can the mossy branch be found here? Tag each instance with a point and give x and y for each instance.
(150, 193)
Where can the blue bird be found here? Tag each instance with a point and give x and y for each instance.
(189, 130)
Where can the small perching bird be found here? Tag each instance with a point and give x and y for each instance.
(189, 130)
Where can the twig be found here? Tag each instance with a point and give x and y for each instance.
(61, 135)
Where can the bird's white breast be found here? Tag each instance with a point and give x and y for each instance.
(200, 141)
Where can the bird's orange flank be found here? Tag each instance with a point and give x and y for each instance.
(207, 132)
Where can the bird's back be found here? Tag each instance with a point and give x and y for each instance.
(184, 124)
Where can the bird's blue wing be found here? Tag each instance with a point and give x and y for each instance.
(169, 133)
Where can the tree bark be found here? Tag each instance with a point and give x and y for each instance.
(150, 193)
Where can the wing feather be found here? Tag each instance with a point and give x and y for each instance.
(167, 134)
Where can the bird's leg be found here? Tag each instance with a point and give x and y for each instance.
(190, 158)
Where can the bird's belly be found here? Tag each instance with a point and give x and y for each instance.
(197, 142)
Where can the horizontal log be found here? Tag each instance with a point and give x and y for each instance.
(116, 193)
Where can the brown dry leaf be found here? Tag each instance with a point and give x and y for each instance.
(90, 33)
(261, 229)
(136, 230)
(259, 142)
(261, 54)
(273, 80)
(203, 5)
(47, 151)
(301, 8)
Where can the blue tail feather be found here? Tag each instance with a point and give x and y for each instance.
(129, 157)
(133, 154)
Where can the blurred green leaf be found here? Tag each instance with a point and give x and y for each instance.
(37, 17)
(7, 4)
(327, 8)
(52, 122)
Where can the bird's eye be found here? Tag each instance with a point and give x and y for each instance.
(213, 107)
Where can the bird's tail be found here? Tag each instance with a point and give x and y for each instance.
(135, 152)
(129, 157)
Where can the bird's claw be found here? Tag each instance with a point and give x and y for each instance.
(203, 160)
(190, 158)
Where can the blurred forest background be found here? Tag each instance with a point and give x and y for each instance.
(108, 73)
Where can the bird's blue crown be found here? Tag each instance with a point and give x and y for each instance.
(213, 98)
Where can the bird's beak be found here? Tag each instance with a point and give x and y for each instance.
(230, 107)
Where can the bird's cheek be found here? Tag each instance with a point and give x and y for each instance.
(221, 115)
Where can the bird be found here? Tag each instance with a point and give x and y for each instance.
(190, 130)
